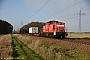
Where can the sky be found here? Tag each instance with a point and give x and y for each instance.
(15, 11)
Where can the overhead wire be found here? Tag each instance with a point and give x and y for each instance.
(77, 16)
(65, 9)
(70, 18)
(38, 9)
(74, 13)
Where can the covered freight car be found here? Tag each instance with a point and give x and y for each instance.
(54, 29)
(33, 30)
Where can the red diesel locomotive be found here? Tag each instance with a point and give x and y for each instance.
(54, 29)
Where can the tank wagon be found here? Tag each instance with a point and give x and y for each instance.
(54, 29)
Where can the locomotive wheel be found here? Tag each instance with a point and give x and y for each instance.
(53, 36)
(63, 36)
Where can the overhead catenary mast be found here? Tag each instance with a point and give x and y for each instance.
(80, 26)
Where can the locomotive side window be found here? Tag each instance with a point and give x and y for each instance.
(53, 27)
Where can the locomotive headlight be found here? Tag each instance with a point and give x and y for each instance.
(54, 33)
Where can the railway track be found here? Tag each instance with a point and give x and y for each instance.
(77, 40)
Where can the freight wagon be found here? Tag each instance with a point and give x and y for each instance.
(33, 30)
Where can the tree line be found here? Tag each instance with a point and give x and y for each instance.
(5, 27)
(25, 28)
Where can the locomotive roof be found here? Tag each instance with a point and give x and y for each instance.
(52, 21)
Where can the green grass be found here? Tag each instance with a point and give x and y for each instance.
(1, 35)
(20, 52)
(17, 51)
(33, 54)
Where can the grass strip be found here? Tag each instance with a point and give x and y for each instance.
(1, 35)
(29, 53)
(17, 51)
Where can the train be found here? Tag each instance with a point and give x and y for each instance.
(52, 29)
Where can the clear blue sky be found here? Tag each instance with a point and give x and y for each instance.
(15, 11)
